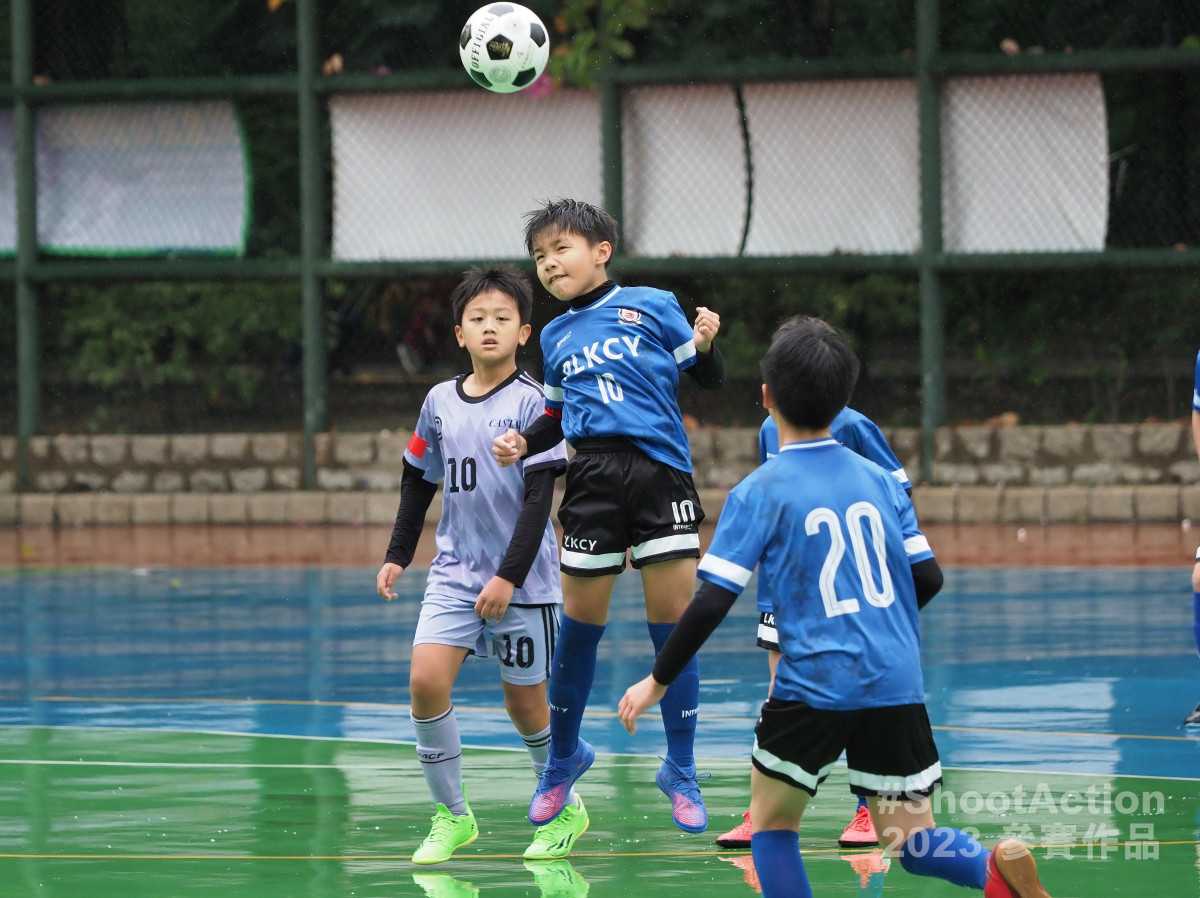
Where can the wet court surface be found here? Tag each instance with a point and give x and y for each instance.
(244, 728)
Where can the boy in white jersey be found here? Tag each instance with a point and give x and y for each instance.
(495, 577)
(611, 365)
(836, 542)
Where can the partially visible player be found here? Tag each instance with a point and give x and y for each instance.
(494, 581)
(612, 364)
(1193, 719)
(836, 540)
(856, 431)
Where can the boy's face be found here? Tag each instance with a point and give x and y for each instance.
(491, 329)
(568, 265)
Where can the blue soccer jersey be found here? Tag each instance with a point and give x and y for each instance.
(852, 429)
(481, 500)
(612, 368)
(834, 538)
(1196, 389)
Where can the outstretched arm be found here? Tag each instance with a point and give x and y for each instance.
(541, 436)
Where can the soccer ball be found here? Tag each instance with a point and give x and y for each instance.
(504, 47)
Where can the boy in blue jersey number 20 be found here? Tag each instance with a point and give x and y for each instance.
(494, 582)
(836, 541)
(611, 369)
(856, 431)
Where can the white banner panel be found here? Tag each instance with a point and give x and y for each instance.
(8, 182)
(819, 168)
(133, 179)
(835, 168)
(1025, 164)
(685, 187)
(449, 175)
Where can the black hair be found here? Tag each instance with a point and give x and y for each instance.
(574, 217)
(503, 278)
(811, 371)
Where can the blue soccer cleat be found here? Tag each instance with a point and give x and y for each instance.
(687, 806)
(554, 787)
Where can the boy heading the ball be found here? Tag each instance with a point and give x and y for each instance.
(836, 543)
(494, 582)
(611, 368)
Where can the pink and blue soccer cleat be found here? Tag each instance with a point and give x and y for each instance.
(679, 784)
(554, 787)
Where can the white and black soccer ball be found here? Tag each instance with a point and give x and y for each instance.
(504, 47)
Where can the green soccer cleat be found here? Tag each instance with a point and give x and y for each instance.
(448, 833)
(555, 839)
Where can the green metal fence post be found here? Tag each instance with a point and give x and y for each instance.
(610, 149)
(311, 234)
(933, 337)
(29, 385)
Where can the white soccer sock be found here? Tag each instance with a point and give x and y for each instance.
(439, 749)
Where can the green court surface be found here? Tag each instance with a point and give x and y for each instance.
(238, 732)
(108, 812)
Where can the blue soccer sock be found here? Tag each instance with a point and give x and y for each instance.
(680, 704)
(572, 672)
(947, 853)
(1196, 620)
(778, 864)
(862, 802)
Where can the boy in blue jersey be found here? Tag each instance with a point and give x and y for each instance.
(494, 581)
(611, 367)
(1193, 719)
(836, 542)
(856, 431)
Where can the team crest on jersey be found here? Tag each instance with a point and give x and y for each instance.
(629, 316)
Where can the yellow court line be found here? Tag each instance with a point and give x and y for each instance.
(486, 708)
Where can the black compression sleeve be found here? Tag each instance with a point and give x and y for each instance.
(709, 370)
(543, 434)
(530, 527)
(706, 610)
(928, 579)
(416, 493)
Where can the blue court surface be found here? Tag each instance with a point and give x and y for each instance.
(1057, 694)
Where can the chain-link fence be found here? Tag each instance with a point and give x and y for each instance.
(730, 187)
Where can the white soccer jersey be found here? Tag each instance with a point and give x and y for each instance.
(452, 445)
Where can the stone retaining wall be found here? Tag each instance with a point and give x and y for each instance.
(1145, 472)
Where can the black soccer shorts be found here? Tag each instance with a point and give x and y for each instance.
(889, 751)
(617, 498)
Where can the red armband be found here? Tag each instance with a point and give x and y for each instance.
(554, 412)
(417, 446)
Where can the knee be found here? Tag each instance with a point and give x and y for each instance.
(428, 695)
(525, 704)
